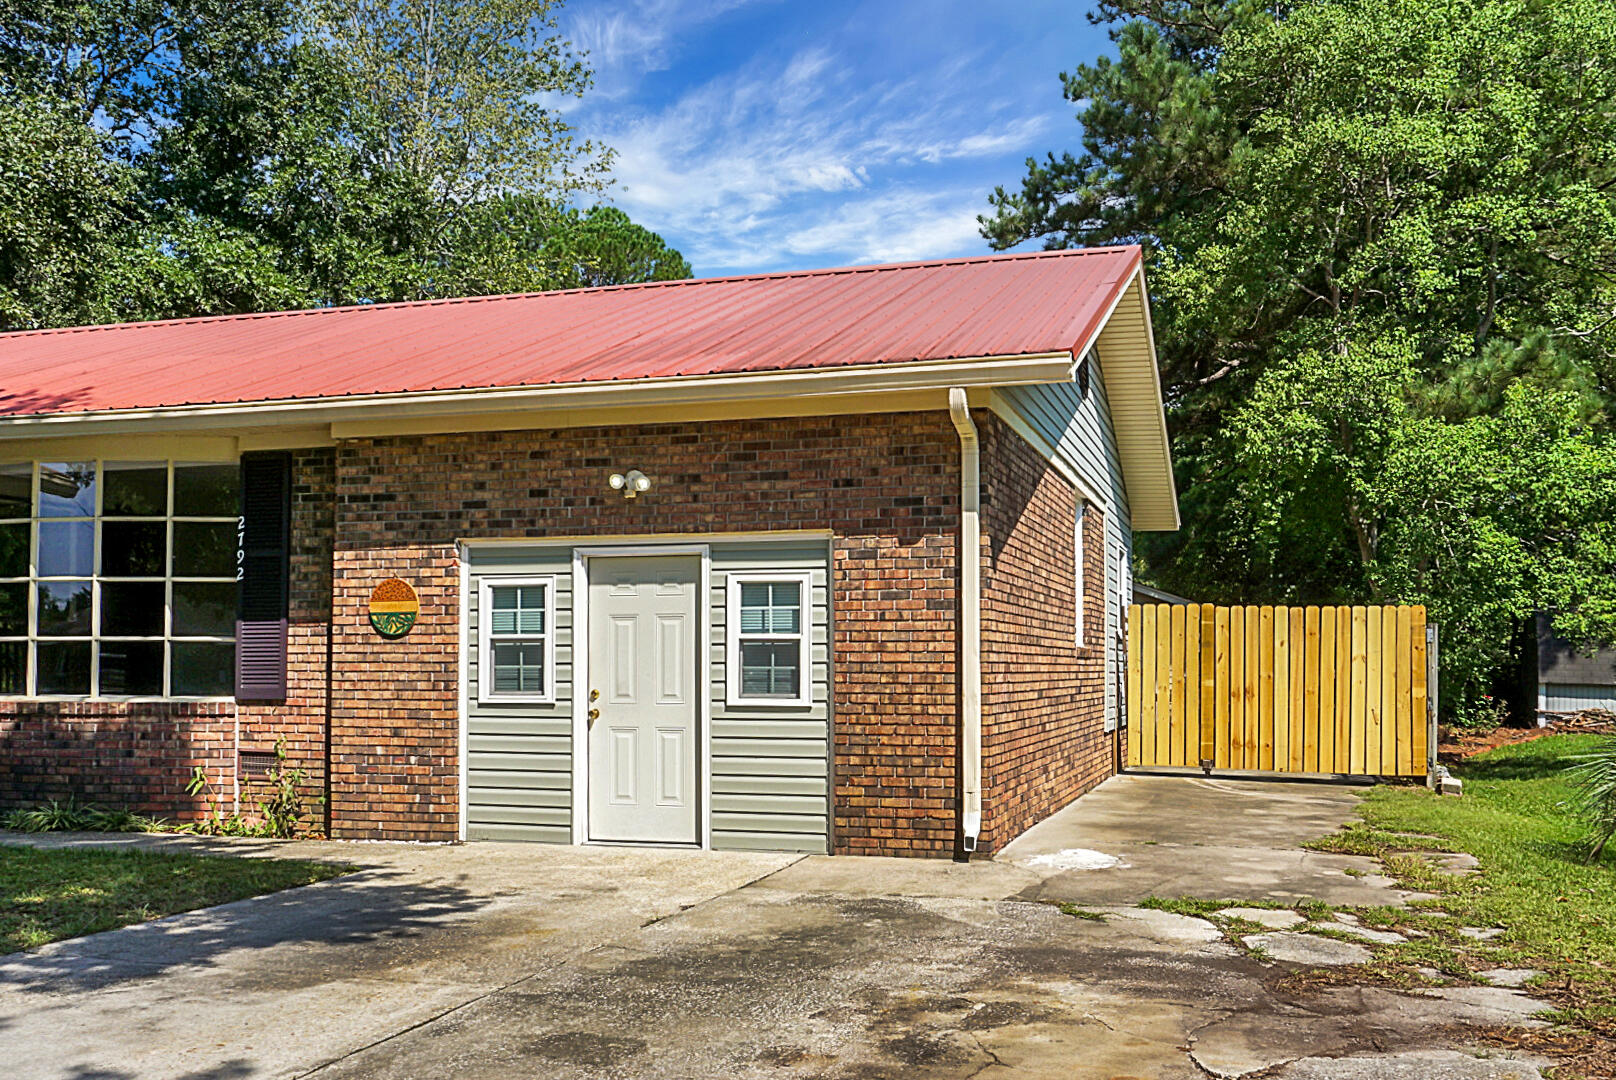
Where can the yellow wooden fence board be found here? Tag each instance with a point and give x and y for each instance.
(1282, 689)
(1147, 685)
(1164, 684)
(1175, 733)
(1343, 689)
(1298, 688)
(1192, 685)
(1405, 728)
(1220, 712)
(1134, 666)
(1388, 691)
(1207, 750)
(1417, 697)
(1265, 689)
(1358, 720)
(1310, 690)
(1373, 713)
(1249, 691)
(1327, 678)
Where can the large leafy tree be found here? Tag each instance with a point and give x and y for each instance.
(179, 157)
(1382, 242)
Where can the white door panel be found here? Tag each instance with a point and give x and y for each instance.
(643, 613)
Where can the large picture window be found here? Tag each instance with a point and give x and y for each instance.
(767, 652)
(118, 578)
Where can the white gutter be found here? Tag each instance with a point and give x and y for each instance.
(970, 675)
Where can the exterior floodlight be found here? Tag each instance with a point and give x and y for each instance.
(631, 483)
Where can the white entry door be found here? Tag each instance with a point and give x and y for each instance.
(643, 688)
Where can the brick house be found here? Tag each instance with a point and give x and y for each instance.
(674, 563)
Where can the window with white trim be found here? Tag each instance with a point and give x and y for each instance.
(118, 579)
(767, 653)
(516, 653)
(1079, 577)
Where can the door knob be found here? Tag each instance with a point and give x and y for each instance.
(594, 714)
(594, 695)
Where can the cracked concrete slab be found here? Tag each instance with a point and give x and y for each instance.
(485, 961)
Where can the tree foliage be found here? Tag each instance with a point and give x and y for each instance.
(1382, 250)
(165, 158)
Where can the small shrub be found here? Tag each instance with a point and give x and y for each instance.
(1594, 775)
(70, 815)
(58, 815)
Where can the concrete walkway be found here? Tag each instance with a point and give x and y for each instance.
(495, 960)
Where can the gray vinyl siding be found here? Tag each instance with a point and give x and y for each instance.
(770, 780)
(1573, 697)
(1080, 429)
(519, 756)
(770, 772)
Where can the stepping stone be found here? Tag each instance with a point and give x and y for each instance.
(1272, 918)
(1510, 977)
(1347, 917)
(1452, 863)
(1379, 937)
(1432, 973)
(1298, 948)
(1482, 933)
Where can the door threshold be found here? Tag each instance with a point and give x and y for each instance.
(677, 845)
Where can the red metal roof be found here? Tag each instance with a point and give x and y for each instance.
(1000, 305)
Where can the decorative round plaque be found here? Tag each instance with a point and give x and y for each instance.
(393, 608)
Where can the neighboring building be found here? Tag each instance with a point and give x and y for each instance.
(672, 563)
(1570, 680)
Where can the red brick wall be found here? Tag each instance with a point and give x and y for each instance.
(886, 486)
(301, 719)
(1044, 741)
(139, 756)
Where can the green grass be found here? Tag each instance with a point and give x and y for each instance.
(1558, 910)
(49, 895)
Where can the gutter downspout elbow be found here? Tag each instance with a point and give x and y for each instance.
(970, 588)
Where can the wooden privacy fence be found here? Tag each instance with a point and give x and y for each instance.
(1323, 690)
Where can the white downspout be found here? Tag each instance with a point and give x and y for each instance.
(970, 675)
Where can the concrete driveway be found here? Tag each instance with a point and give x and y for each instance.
(495, 960)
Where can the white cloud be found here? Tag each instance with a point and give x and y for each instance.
(626, 40)
(802, 157)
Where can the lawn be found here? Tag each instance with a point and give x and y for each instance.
(49, 895)
(1558, 911)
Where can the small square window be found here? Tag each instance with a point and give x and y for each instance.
(768, 649)
(515, 649)
(203, 668)
(132, 668)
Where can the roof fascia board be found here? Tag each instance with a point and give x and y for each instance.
(1161, 413)
(537, 400)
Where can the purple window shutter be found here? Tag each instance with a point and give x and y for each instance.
(264, 570)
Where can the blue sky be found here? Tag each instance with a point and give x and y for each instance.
(781, 134)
